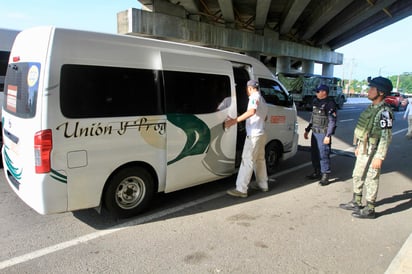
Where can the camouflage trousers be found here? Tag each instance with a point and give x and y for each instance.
(365, 176)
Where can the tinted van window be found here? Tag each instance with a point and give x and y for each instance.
(97, 91)
(21, 88)
(194, 93)
(273, 92)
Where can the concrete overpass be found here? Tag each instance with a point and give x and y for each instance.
(287, 35)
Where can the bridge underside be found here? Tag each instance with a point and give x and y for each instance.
(287, 35)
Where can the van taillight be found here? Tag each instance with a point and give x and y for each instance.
(43, 145)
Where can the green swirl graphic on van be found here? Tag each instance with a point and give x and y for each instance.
(58, 176)
(197, 133)
(16, 172)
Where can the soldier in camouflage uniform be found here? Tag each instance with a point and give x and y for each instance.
(373, 134)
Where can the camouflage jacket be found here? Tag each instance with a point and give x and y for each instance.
(374, 128)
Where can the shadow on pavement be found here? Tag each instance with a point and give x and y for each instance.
(406, 195)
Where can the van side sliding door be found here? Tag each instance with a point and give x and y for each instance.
(199, 96)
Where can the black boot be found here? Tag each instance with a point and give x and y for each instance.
(368, 212)
(315, 175)
(355, 204)
(324, 181)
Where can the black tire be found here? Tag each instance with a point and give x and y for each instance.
(129, 192)
(341, 101)
(273, 154)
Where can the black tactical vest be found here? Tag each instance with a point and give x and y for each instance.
(319, 118)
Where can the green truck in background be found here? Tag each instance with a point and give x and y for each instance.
(302, 87)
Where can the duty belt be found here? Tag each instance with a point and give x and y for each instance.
(319, 130)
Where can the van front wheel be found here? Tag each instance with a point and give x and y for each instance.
(129, 192)
(273, 153)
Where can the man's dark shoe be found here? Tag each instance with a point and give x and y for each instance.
(314, 176)
(352, 205)
(324, 181)
(365, 213)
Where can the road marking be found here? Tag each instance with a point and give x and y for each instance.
(402, 263)
(399, 131)
(347, 120)
(98, 234)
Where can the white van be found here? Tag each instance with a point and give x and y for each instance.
(94, 119)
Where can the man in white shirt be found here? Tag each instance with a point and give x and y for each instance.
(253, 155)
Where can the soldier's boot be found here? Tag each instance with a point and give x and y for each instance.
(324, 181)
(355, 204)
(315, 175)
(368, 212)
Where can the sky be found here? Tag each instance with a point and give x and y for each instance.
(385, 52)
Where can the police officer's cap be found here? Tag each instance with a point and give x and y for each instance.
(323, 87)
(253, 83)
(381, 84)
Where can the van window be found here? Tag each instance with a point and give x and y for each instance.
(97, 91)
(194, 93)
(4, 59)
(273, 92)
(20, 89)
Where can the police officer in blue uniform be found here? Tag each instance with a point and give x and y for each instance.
(322, 124)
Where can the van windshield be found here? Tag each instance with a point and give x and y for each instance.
(21, 88)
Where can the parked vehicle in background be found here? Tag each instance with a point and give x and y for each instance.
(397, 100)
(303, 86)
(6, 42)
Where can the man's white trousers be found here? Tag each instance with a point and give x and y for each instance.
(253, 160)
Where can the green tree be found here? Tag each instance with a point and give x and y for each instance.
(404, 80)
(405, 83)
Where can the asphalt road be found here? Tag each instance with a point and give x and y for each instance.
(296, 227)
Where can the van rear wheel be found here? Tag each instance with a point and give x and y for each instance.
(129, 192)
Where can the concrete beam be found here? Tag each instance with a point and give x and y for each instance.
(346, 22)
(321, 16)
(262, 9)
(226, 7)
(190, 5)
(293, 14)
(139, 22)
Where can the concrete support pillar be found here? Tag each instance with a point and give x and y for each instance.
(282, 64)
(327, 69)
(308, 66)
